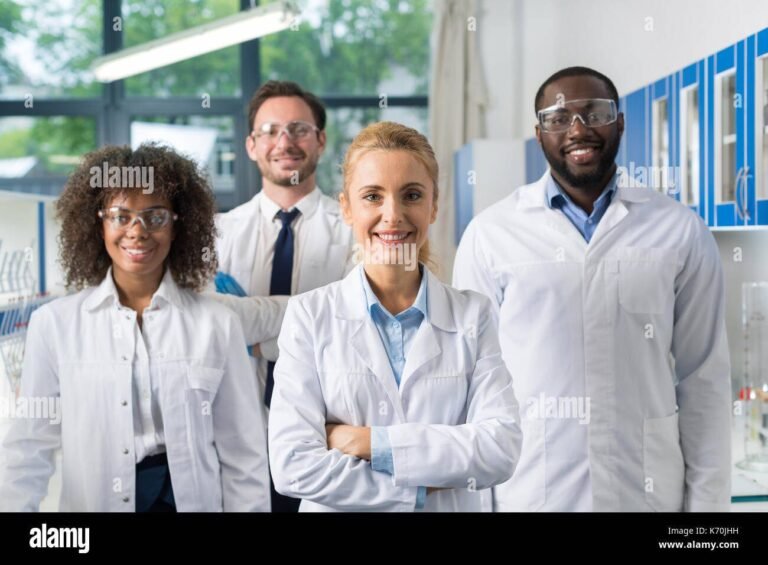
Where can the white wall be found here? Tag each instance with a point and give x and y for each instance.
(522, 42)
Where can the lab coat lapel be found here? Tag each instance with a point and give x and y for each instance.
(424, 348)
(364, 337)
(426, 342)
(534, 200)
(315, 241)
(245, 243)
(367, 344)
(615, 213)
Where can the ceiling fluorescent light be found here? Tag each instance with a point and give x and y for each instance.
(232, 30)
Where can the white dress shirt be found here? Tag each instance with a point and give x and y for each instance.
(269, 225)
(323, 253)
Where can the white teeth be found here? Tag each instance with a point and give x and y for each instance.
(581, 151)
(137, 251)
(393, 237)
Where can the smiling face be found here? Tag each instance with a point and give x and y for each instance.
(134, 251)
(580, 157)
(285, 162)
(389, 201)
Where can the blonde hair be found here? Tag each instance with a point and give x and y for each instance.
(391, 136)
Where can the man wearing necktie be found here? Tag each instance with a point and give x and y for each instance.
(290, 237)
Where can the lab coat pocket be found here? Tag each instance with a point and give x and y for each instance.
(439, 399)
(663, 466)
(202, 385)
(646, 279)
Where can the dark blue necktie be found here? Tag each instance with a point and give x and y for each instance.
(282, 272)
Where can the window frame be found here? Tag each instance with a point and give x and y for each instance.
(113, 110)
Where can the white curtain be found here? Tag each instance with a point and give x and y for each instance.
(457, 97)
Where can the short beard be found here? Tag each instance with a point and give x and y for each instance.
(305, 172)
(590, 179)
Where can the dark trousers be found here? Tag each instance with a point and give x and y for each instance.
(154, 491)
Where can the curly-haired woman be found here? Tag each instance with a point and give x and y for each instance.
(157, 410)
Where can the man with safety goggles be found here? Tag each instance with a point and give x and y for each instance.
(290, 237)
(611, 322)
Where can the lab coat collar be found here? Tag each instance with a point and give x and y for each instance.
(168, 291)
(535, 195)
(306, 205)
(351, 300)
(419, 304)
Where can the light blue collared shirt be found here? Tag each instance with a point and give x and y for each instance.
(397, 333)
(558, 199)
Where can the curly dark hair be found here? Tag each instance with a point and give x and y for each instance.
(82, 254)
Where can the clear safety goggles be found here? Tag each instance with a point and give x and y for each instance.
(295, 130)
(593, 113)
(151, 219)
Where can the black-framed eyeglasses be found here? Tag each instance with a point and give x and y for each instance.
(151, 219)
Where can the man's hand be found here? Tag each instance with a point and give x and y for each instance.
(350, 440)
(256, 350)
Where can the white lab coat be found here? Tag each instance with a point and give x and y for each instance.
(633, 323)
(326, 256)
(80, 348)
(452, 423)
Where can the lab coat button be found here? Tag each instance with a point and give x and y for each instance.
(124, 358)
(126, 451)
(126, 499)
(124, 403)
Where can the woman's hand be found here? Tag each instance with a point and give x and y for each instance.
(350, 440)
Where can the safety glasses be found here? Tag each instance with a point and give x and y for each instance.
(593, 113)
(296, 130)
(151, 219)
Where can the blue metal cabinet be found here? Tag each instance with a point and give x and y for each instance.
(757, 54)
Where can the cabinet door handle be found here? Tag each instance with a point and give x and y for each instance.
(741, 195)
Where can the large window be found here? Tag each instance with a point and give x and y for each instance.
(209, 140)
(343, 125)
(215, 74)
(367, 59)
(46, 48)
(354, 47)
(43, 147)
